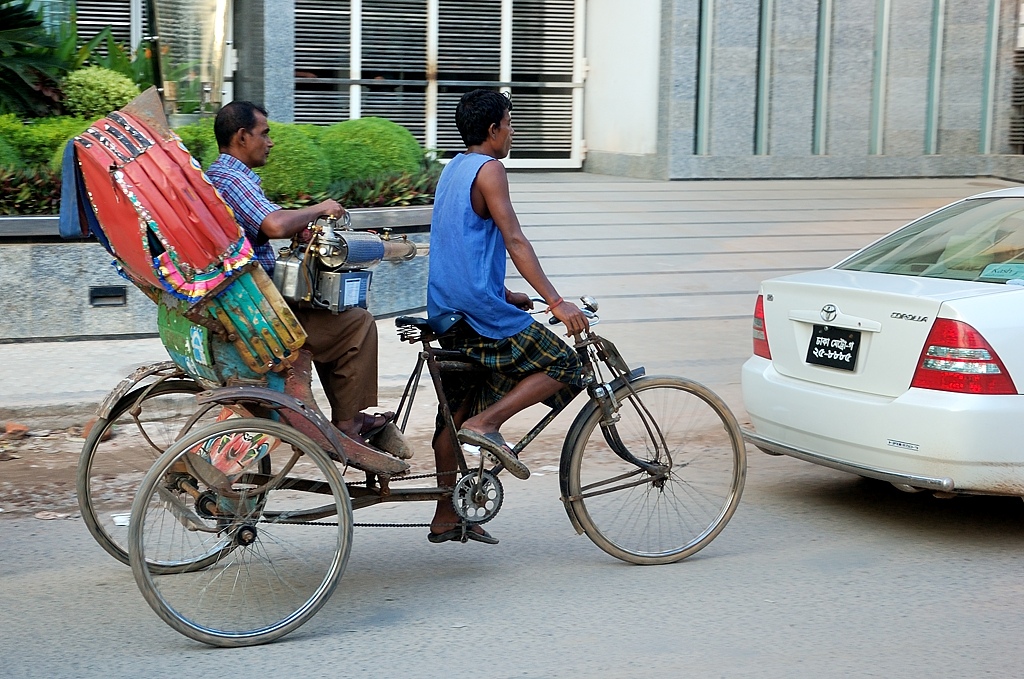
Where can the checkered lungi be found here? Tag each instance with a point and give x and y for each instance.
(509, 360)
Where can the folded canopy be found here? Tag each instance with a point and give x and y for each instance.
(149, 202)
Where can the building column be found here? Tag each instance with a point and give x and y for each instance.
(264, 36)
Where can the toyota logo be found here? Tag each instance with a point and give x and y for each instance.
(828, 313)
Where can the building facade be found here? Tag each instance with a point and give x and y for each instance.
(653, 88)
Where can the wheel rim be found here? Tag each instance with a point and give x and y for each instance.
(272, 572)
(110, 471)
(647, 517)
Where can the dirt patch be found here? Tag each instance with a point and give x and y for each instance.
(38, 471)
(37, 474)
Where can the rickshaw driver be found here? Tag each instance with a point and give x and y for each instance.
(344, 345)
(473, 226)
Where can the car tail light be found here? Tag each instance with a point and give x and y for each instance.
(957, 358)
(760, 332)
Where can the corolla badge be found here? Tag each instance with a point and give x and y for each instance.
(908, 317)
(828, 313)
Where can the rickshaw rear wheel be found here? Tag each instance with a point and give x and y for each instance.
(280, 564)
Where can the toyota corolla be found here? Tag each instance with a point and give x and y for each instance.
(904, 362)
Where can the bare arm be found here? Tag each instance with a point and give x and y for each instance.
(491, 186)
(287, 223)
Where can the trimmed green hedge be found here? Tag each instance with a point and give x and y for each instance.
(299, 172)
(9, 158)
(96, 91)
(40, 142)
(370, 147)
(296, 166)
(314, 132)
(200, 141)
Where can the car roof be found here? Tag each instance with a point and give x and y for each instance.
(1011, 192)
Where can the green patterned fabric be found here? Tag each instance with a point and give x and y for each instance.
(509, 360)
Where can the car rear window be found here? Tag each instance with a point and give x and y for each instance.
(974, 240)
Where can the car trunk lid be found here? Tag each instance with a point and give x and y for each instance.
(855, 330)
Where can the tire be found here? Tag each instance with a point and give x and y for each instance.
(274, 571)
(657, 518)
(109, 471)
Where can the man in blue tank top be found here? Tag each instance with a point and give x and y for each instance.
(474, 225)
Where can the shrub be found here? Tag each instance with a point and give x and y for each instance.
(95, 91)
(370, 147)
(46, 137)
(13, 131)
(314, 132)
(9, 157)
(40, 139)
(200, 141)
(33, 191)
(388, 191)
(296, 166)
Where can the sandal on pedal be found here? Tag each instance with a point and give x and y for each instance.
(455, 534)
(494, 445)
(370, 429)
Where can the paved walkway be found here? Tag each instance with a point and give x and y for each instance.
(675, 265)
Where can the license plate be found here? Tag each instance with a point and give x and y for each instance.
(834, 347)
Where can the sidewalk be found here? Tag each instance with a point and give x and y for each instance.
(675, 266)
(54, 385)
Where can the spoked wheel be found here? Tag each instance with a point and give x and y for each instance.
(696, 466)
(208, 494)
(123, 446)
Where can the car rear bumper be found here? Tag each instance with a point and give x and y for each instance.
(923, 438)
(894, 477)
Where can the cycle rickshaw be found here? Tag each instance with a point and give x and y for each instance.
(242, 523)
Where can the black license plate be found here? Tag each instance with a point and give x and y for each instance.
(834, 347)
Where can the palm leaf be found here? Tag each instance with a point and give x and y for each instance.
(28, 63)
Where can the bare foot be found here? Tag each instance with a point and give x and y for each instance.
(474, 424)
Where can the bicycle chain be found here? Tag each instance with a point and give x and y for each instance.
(359, 525)
(362, 484)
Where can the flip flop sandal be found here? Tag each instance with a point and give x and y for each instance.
(369, 431)
(455, 535)
(494, 445)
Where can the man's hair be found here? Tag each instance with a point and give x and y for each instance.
(238, 115)
(477, 111)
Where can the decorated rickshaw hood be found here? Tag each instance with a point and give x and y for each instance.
(129, 181)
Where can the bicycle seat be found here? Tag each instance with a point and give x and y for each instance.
(438, 325)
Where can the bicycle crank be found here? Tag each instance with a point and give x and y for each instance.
(477, 496)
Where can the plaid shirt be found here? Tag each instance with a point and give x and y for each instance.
(240, 188)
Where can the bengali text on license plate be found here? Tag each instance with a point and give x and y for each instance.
(833, 347)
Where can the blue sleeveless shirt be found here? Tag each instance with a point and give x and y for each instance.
(467, 256)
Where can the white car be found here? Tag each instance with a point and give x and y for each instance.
(904, 362)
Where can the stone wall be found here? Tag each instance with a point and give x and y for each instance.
(46, 285)
(831, 88)
(46, 294)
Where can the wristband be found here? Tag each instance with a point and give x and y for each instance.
(553, 305)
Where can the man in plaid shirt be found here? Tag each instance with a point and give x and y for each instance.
(344, 345)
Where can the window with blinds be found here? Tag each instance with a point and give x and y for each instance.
(322, 65)
(542, 52)
(395, 80)
(394, 55)
(92, 16)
